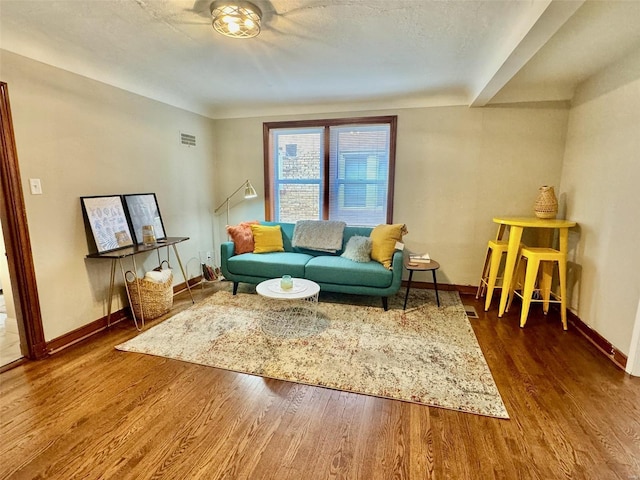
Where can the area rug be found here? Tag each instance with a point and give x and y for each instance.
(426, 355)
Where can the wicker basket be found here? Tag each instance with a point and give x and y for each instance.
(156, 298)
(546, 205)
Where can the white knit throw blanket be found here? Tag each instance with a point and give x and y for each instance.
(321, 235)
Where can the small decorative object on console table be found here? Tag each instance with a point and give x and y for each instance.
(148, 236)
(546, 205)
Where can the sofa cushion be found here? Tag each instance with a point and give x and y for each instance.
(287, 234)
(269, 265)
(242, 236)
(383, 240)
(358, 249)
(267, 238)
(340, 270)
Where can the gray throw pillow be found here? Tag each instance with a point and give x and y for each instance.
(358, 249)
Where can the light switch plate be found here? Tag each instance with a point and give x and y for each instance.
(36, 186)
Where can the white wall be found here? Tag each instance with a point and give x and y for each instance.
(601, 175)
(82, 137)
(456, 168)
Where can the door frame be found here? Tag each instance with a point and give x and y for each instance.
(13, 215)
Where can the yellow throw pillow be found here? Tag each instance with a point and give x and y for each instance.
(383, 242)
(267, 238)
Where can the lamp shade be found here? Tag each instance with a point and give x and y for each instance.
(249, 191)
(236, 19)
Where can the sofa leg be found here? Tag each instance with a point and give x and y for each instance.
(385, 303)
(235, 287)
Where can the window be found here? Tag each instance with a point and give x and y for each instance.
(330, 170)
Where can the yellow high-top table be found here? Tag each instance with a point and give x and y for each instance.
(516, 227)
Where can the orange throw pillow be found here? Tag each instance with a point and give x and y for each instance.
(242, 237)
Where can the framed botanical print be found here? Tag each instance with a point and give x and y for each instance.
(107, 220)
(143, 210)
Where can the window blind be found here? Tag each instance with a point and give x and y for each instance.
(339, 169)
(359, 173)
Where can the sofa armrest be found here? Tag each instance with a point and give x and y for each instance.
(397, 267)
(226, 252)
(227, 249)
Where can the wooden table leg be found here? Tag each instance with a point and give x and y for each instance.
(435, 284)
(406, 295)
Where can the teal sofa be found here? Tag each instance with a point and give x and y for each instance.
(331, 271)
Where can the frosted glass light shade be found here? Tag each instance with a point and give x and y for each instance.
(236, 19)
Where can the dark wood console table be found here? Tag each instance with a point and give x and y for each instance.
(116, 256)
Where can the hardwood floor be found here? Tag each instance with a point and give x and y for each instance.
(94, 412)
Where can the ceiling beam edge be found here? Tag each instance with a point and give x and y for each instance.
(543, 20)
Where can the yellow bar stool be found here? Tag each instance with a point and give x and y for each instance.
(543, 261)
(495, 250)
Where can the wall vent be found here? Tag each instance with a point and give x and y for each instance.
(188, 140)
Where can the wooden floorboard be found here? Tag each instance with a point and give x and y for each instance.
(92, 412)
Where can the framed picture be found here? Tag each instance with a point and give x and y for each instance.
(143, 210)
(107, 220)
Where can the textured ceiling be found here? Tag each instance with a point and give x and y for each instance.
(331, 55)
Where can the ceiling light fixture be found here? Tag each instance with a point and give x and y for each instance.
(236, 19)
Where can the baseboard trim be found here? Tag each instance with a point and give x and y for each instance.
(14, 364)
(85, 331)
(463, 289)
(99, 325)
(601, 343)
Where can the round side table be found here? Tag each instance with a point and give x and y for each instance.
(304, 292)
(421, 267)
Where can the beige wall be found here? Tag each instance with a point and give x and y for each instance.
(82, 137)
(456, 168)
(601, 178)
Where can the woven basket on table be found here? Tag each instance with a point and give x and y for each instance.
(546, 205)
(156, 298)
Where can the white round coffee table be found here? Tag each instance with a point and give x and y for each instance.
(300, 309)
(302, 290)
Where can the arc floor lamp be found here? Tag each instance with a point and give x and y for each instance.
(249, 192)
